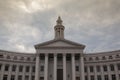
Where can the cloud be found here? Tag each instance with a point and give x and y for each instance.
(25, 23)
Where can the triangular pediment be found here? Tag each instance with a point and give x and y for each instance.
(59, 43)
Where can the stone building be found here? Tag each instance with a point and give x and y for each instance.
(59, 59)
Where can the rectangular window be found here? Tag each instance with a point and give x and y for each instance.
(85, 69)
(33, 69)
(99, 77)
(33, 78)
(6, 67)
(112, 67)
(26, 77)
(77, 68)
(105, 68)
(98, 68)
(118, 66)
(5, 77)
(12, 77)
(14, 68)
(86, 77)
(92, 77)
(20, 77)
(42, 68)
(91, 68)
(77, 78)
(0, 66)
(113, 77)
(106, 77)
(20, 68)
(41, 78)
(27, 68)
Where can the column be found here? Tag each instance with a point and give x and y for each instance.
(37, 67)
(82, 73)
(46, 67)
(64, 67)
(73, 67)
(55, 67)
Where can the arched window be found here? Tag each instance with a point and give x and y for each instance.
(90, 58)
(15, 58)
(110, 57)
(8, 57)
(97, 58)
(103, 58)
(22, 58)
(28, 59)
(117, 56)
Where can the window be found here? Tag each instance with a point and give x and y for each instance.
(92, 77)
(68, 57)
(97, 58)
(99, 77)
(77, 56)
(106, 77)
(12, 77)
(1, 56)
(15, 58)
(42, 68)
(42, 56)
(51, 57)
(113, 77)
(5, 77)
(22, 58)
(90, 59)
(33, 78)
(86, 77)
(28, 59)
(8, 57)
(0, 66)
(77, 78)
(6, 67)
(118, 66)
(112, 67)
(20, 68)
(77, 68)
(104, 68)
(110, 57)
(27, 68)
(20, 77)
(103, 58)
(91, 68)
(14, 68)
(85, 69)
(33, 69)
(26, 77)
(98, 68)
(41, 78)
(59, 57)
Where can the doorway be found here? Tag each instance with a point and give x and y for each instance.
(59, 74)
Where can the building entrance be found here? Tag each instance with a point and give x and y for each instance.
(59, 74)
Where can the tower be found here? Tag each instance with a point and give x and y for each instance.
(59, 29)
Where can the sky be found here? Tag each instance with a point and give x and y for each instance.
(94, 23)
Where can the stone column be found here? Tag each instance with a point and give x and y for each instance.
(55, 67)
(37, 67)
(64, 66)
(82, 73)
(73, 67)
(46, 67)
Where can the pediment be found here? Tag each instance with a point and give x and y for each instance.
(59, 43)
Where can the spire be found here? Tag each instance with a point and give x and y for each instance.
(59, 29)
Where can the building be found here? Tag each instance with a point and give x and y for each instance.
(59, 59)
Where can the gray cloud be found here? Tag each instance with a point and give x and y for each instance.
(25, 23)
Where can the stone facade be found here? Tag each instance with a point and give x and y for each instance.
(59, 59)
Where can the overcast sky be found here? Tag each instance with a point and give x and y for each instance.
(94, 23)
